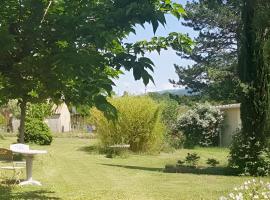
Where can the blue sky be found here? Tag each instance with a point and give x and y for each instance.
(164, 63)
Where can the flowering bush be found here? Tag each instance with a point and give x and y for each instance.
(250, 190)
(245, 159)
(201, 125)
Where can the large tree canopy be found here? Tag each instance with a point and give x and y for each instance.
(70, 50)
(213, 73)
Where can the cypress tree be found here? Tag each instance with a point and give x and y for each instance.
(253, 72)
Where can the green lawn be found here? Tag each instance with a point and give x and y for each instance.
(72, 171)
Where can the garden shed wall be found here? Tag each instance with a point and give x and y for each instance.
(231, 123)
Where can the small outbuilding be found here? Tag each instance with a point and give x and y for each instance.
(231, 124)
(60, 120)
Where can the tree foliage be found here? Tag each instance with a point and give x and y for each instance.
(71, 50)
(253, 70)
(213, 74)
(201, 125)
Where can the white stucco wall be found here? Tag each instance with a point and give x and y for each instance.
(15, 124)
(65, 119)
(60, 121)
(54, 123)
(231, 123)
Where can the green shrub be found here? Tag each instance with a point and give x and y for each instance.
(170, 111)
(180, 162)
(138, 124)
(247, 161)
(169, 114)
(175, 140)
(212, 162)
(36, 131)
(39, 110)
(200, 125)
(192, 159)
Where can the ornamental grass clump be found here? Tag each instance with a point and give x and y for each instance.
(250, 190)
(138, 124)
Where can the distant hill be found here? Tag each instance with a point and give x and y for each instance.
(179, 92)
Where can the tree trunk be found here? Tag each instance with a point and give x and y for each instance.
(22, 120)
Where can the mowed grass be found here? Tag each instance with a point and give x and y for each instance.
(71, 171)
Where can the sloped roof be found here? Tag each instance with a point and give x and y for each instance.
(57, 109)
(229, 106)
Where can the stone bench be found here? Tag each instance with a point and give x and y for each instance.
(117, 149)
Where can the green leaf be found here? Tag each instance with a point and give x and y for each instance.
(137, 73)
(154, 25)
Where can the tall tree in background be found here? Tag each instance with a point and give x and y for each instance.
(232, 63)
(71, 50)
(215, 54)
(254, 71)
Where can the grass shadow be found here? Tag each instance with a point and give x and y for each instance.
(7, 193)
(221, 171)
(90, 149)
(153, 169)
